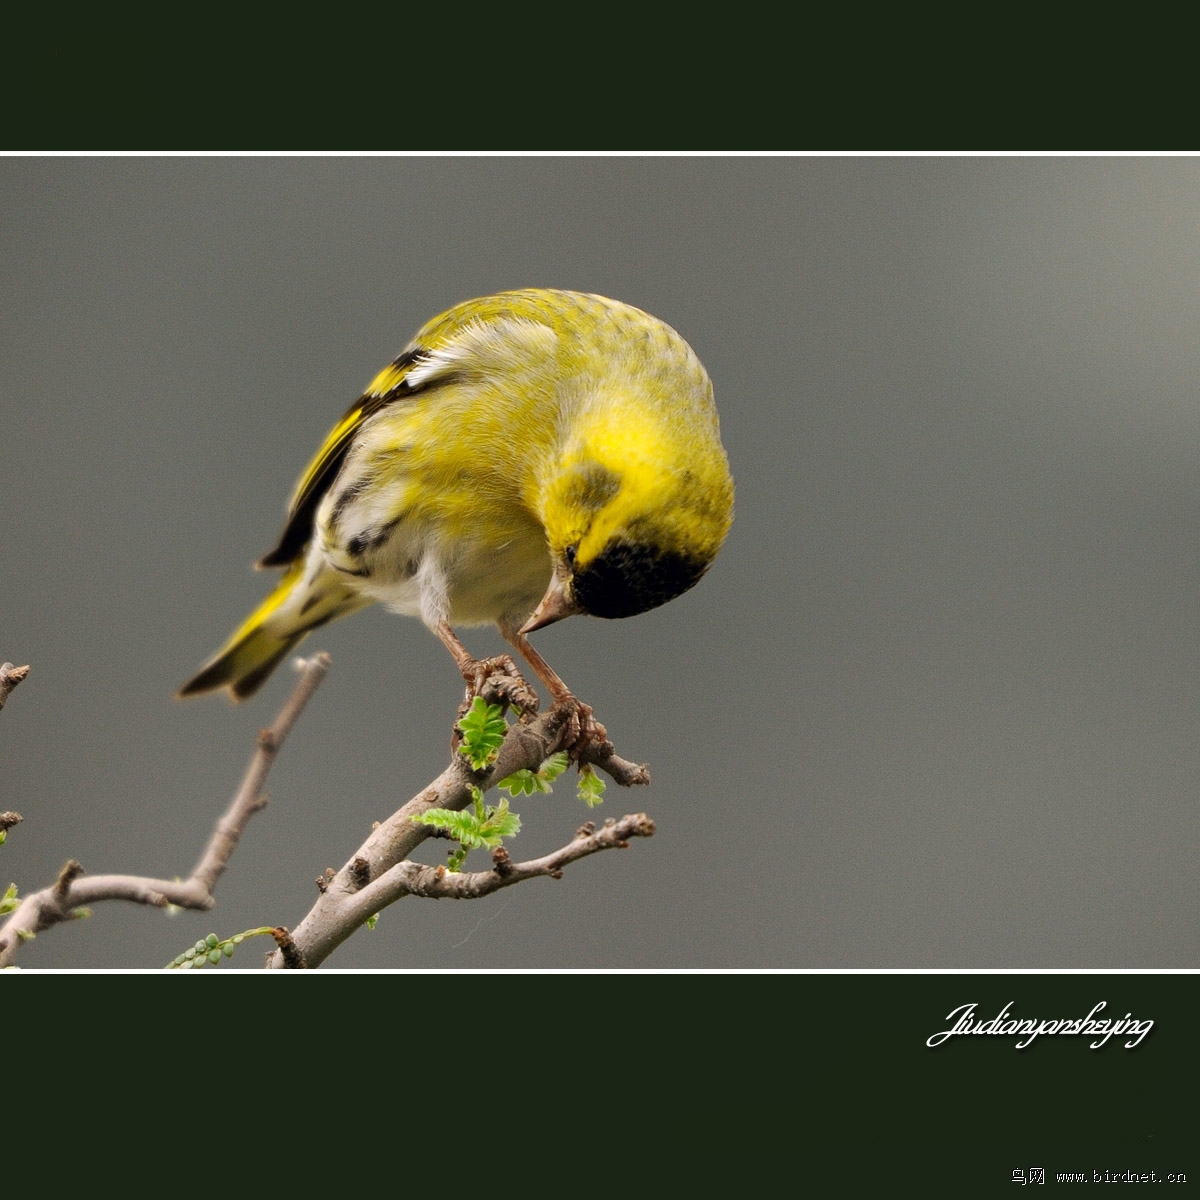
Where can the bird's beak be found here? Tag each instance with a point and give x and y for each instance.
(555, 605)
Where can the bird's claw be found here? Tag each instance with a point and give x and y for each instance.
(498, 681)
(583, 738)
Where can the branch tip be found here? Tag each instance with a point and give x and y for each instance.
(319, 662)
(10, 676)
(292, 958)
(72, 869)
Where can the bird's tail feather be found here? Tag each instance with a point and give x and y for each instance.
(265, 637)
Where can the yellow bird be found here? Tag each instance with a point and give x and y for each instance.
(528, 456)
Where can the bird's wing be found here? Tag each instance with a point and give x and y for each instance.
(434, 356)
(390, 385)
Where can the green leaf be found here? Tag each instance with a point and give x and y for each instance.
(9, 901)
(500, 823)
(462, 826)
(478, 828)
(591, 787)
(554, 766)
(525, 782)
(483, 728)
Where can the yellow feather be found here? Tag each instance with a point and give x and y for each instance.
(528, 442)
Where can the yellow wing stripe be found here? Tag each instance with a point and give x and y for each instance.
(330, 449)
(377, 391)
(390, 377)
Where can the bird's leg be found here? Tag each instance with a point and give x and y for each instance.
(583, 730)
(498, 675)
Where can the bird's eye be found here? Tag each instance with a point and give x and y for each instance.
(569, 554)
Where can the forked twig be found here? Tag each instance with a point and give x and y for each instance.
(74, 891)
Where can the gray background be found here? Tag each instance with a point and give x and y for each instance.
(936, 703)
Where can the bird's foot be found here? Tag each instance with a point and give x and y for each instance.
(583, 737)
(498, 681)
(576, 730)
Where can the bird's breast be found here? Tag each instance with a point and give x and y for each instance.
(465, 558)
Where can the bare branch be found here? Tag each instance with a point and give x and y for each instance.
(436, 883)
(74, 890)
(627, 774)
(10, 676)
(352, 895)
(379, 872)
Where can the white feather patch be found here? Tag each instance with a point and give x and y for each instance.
(498, 345)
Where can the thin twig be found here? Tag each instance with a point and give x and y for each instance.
(249, 798)
(73, 890)
(437, 883)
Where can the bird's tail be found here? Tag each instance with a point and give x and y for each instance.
(293, 609)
